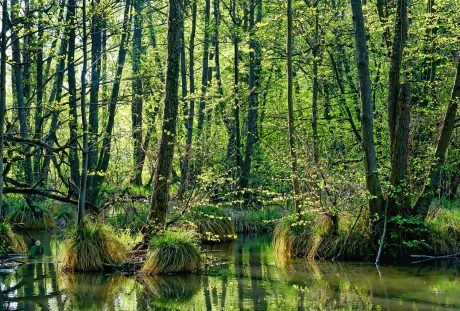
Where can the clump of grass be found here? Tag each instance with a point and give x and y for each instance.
(91, 247)
(213, 223)
(294, 237)
(21, 214)
(252, 221)
(172, 252)
(10, 242)
(444, 231)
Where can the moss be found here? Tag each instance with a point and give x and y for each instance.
(91, 247)
(21, 214)
(172, 252)
(10, 242)
(213, 223)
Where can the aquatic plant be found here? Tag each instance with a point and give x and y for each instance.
(91, 247)
(213, 223)
(172, 252)
(10, 242)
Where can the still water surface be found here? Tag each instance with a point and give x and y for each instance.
(248, 277)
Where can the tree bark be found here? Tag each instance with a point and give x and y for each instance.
(160, 196)
(290, 106)
(2, 94)
(137, 89)
(367, 128)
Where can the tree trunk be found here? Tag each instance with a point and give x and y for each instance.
(96, 61)
(290, 106)
(185, 174)
(73, 116)
(254, 71)
(84, 122)
(2, 94)
(137, 104)
(398, 114)
(314, 106)
(160, 197)
(367, 130)
(430, 190)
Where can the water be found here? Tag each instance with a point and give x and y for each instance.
(247, 278)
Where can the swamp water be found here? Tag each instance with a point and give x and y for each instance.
(247, 277)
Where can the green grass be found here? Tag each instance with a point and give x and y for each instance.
(10, 242)
(91, 247)
(444, 229)
(172, 252)
(213, 223)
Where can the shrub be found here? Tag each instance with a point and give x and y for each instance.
(10, 242)
(92, 246)
(172, 252)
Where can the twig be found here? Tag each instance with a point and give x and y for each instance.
(382, 239)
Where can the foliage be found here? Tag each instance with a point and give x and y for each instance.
(10, 242)
(172, 252)
(256, 221)
(91, 246)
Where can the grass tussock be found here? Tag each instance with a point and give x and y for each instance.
(172, 252)
(444, 231)
(23, 216)
(213, 223)
(254, 221)
(294, 237)
(10, 242)
(91, 247)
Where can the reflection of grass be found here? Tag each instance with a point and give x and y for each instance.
(90, 246)
(170, 291)
(214, 223)
(172, 252)
(10, 242)
(92, 291)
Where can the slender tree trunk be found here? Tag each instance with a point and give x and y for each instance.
(314, 118)
(18, 88)
(398, 113)
(160, 197)
(2, 94)
(104, 154)
(254, 71)
(73, 115)
(367, 128)
(38, 129)
(204, 71)
(236, 104)
(137, 104)
(191, 109)
(290, 106)
(96, 61)
(84, 122)
(430, 190)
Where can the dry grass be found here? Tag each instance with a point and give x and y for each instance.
(10, 242)
(92, 247)
(172, 252)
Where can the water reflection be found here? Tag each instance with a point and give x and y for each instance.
(248, 277)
